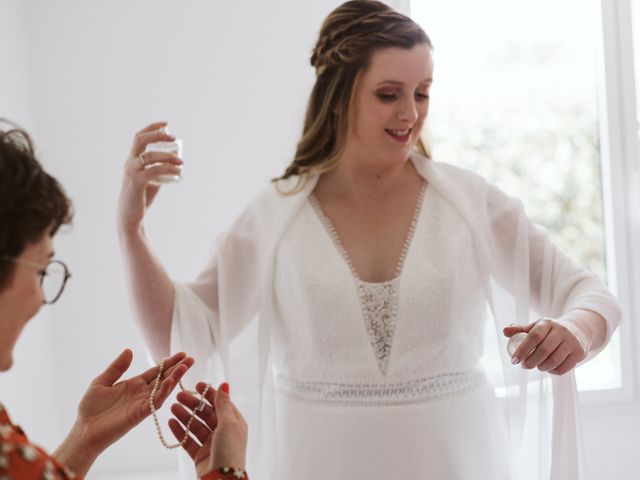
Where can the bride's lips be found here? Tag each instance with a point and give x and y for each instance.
(401, 136)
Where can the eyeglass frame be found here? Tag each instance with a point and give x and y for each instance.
(42, 272)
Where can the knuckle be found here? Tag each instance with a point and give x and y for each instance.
(545, 367)
(536, 336)
(562, 369)
(555, 360)
(543, 350)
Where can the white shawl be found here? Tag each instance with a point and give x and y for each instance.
(527, 274)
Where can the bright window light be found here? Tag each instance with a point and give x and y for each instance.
(515, 99)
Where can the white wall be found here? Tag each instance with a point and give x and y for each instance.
(34, 375)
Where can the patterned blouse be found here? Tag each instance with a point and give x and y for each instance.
(20, 459)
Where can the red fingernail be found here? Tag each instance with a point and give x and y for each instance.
(225, 388)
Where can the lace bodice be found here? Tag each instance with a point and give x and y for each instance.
(337, 337)
(379, 301)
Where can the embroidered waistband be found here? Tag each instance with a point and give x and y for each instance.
(422, 390)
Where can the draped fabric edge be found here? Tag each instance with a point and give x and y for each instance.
(243, 263)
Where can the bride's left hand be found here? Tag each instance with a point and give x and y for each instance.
(551, 345)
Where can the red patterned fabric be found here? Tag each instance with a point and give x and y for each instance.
(226, 473)
(22, 460)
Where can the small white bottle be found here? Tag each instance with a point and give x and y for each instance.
(171, 147)
(514, 342)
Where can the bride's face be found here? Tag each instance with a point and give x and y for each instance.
(390, 104)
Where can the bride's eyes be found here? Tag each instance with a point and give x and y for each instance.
(391, 96)
(387, 96)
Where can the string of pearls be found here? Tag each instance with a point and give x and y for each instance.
(154, 414)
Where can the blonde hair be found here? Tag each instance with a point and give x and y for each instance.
(348, 37)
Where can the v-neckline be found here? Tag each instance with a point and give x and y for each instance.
(335, 238)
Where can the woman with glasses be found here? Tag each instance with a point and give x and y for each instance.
(33, 206)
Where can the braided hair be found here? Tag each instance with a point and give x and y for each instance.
(348, 37)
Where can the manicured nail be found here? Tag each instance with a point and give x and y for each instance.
(225, 388)
(515, 360)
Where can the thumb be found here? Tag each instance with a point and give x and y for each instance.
(116, 369)
(222, 401)
(510, 330)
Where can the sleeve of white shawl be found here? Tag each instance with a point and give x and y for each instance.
(557, 284)
(195, 325)
(212, 310)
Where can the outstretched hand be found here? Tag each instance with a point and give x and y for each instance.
(551, 345)
(109, 410)
(220, 438)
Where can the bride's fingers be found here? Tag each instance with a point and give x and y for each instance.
(153, 126)
(142, 139)
(150, 158)
(153, 171)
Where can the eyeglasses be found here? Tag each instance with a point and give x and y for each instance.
(53, 277)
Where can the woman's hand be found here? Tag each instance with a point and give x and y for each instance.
(137, 193)
(554, 346)
(108, 409)
(220, 439)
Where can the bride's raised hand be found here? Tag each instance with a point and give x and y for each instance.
(139, 169)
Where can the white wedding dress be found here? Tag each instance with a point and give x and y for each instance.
(383, 380)
(339, 378)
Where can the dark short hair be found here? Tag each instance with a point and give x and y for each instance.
(32, 202)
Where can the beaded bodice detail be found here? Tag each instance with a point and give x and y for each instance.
(378, 300)
(379, 303)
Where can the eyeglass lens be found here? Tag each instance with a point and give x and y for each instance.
(53, 281)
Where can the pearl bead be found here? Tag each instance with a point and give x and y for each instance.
(154, 414)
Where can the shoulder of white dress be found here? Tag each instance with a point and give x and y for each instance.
(270, 209)
(430, 168)
(282, 191)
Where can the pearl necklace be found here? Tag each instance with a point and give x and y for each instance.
(154, 414)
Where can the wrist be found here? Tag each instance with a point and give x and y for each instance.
(581, 329)
(75, 452)
(131, 231)
(227, 459)
(222, 462)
